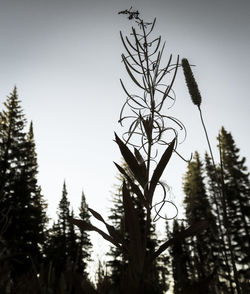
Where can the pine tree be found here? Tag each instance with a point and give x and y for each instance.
(63, 215)
(65, 247)
(73, 249)
(198, 208)
(213, 180)
(12, 138)
(54, 255)
(236, 186)
(58, 240)
(38, 206)
(85, 244)
(20, 194)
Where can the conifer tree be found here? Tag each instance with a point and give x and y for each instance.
(236, 188)
(37, 203)
(12, 138)
(85, 244)
(197, 207)
(58, 241)
(63, 215)
(66, 248)
(20, 194)
(54, 255)
(214, 190)
(73, 246)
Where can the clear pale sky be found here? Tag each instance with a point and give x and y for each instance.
(64, 58)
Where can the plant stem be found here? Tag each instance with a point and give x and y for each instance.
(206, 134)
(225, 217)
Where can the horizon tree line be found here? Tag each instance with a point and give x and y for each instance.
(27, 246)
(54, 260)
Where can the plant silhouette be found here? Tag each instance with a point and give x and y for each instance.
(148, 128)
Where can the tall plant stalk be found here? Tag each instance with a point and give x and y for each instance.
(196, 99)
(148, 127)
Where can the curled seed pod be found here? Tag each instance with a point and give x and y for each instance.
(191, 83)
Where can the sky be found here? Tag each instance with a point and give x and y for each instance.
(65, 59)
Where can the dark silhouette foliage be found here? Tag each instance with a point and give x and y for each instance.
(149, 123)
(209, 249)
(119, 261)
(21, 201)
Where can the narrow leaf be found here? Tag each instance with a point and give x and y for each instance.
(131, 75)
(96, 215)
(117, 236)
(130, 65)
(194, 229)
(85, 226)
(141, 161)
(112, 231)
(160, 168)
(136, 169)
(134, 188)
(126, 47)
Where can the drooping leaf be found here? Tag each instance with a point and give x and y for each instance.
(112, 231)
(193, 230)
(117, 236)
(86, 226)
(128, 156)
(96, 215)
(160, 168)
(82, 224)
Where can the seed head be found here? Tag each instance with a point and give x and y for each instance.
(191, 83)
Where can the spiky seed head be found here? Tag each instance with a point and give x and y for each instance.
(191, 83)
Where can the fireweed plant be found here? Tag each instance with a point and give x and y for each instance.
(220, 189)
(149, 127)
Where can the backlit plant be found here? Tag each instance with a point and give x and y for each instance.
(149, 127)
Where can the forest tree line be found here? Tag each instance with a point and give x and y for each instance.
(36, 258)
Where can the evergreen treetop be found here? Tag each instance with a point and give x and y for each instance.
(20, 194)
